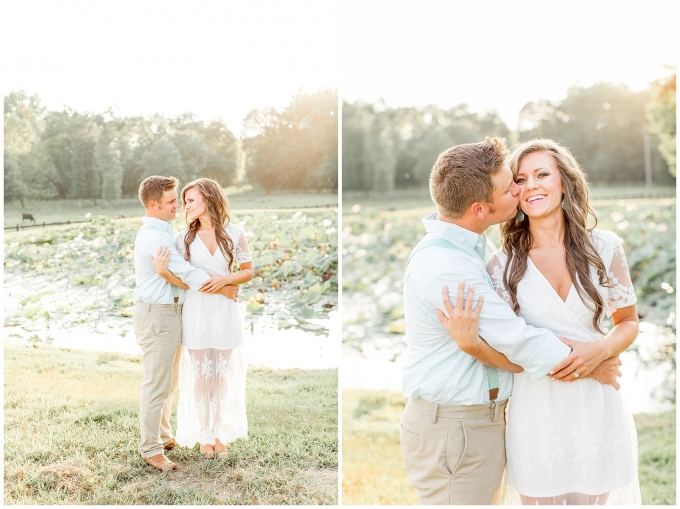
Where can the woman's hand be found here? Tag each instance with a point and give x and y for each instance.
(160, 263)
(462, 323)
(215, 283)
(584, 358)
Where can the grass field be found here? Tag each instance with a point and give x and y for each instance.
(373, 468)
(72, 430)
(59, 211)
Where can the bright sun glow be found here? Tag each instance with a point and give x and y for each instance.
(500, 54)
(213, 58)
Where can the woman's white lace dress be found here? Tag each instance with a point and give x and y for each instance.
(569, 442)
(212, 376)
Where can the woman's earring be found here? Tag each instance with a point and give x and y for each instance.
(520, 215)
(563, 207)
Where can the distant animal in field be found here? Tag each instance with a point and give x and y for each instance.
(121, 216)
(26, 215)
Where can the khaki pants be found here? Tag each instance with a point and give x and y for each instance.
(454, 454)
(158, 328)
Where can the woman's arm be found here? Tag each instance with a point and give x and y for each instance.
(244, 275)
(624, 332)
(462, 324)
(160, 263)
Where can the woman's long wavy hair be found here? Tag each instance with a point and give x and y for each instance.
(217, 208)
(580, 252)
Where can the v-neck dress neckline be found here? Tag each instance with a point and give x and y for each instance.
(206, 247)
(571, 288)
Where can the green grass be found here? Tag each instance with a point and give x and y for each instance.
(656, 453)
(58, 211)
(72, 430)
(373, 471)
(373, 468)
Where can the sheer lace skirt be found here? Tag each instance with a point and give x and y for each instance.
(569, 443)
(212, 400)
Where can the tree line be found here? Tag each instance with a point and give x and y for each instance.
(386, 148)
(83, 155)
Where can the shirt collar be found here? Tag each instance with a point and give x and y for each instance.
(158, 223)
(456, 234)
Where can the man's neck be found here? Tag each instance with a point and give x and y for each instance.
(151, 214)
(471, 224)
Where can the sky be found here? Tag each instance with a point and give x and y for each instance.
(500, 55)
(217, 59)
(223, 58)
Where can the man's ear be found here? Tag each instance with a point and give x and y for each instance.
(477, 209)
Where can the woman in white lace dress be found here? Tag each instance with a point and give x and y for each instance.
(570, 442)
(212, 377)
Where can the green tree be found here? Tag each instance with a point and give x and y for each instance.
(15, 189)
(661, 116)
(386, 148)
(295, 148)
(163, 158)
(108, 163)
(602, 126)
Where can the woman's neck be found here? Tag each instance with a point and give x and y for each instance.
(547, 232)
(206, 223)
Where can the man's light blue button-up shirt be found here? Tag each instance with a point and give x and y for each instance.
(151, 287)
(437, 370)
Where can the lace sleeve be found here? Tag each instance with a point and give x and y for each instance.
(621, 294)
(179, 243)
(495, 268)
(241, 250)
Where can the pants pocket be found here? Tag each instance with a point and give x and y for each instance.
(456, 446)
(408, 425)
(146, 326)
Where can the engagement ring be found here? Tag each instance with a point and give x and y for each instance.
(575, 374)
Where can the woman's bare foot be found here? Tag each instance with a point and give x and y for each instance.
(207, 451)
(221, 450)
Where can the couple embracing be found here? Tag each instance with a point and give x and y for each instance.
(187, 321)
(527, 322)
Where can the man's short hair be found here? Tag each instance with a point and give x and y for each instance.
(462, 175)
(153, 187)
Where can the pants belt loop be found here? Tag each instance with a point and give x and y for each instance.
(494, 407)
(148, 307)
(434, 413)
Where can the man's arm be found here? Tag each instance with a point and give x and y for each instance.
(462, 324)
(536, 350)
(192, 276)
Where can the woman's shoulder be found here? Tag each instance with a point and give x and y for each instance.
(499, 254)
(234, 229)
(603, 239)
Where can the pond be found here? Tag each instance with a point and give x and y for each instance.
(265, 345)
(79, 317)
(647, 384)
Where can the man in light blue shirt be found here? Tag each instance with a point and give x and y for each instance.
(453, 427)
(157, 318)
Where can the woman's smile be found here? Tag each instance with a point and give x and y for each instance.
(540, 184)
